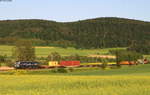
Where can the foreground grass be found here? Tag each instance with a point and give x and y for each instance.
(74, 85)
(129, 80)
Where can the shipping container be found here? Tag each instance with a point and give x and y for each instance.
(69, 63)
(127, 63)
(53, 63)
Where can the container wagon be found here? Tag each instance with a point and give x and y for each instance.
(69, 63)
(127, 63)
(53, 63)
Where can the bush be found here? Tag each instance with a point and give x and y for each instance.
(9, 63)
(127, 56)
(62, 70)
(54, 70)
(59, 70)
(19, 72)
(104, 66)
(70, 69)
(116, 67)
(3, 58)
(105, 63)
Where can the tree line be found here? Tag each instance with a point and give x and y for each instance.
(93, 33)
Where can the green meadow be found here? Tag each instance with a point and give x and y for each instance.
(74, 85)
(140, 70)
(45, 51)
(129, 80)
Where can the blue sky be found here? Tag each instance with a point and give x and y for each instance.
(73, 10)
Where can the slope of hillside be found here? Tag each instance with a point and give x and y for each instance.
(92, 33)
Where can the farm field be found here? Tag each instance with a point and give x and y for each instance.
(129, 80)
(74, 85)
(44, 51)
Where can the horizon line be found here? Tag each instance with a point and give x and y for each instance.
(73, 20)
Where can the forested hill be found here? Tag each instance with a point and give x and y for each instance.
(92, 33)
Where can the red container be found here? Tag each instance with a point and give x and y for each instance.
(70, 63)
(127, 63)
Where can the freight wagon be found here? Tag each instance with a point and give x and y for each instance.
(127, 63)
(110, 63)
(53, 63)
(69, 63)
(96, 64)
(63, 63)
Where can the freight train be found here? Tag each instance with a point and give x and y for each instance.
(53, 64)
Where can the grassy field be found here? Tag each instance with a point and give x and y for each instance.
(74, 85)
(147, 56)
(44, 51)
(141, 70)
(129, 80)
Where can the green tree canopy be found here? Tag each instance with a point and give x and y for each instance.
(127, 56)
(93, 33)
(24, 51)
(54, 56)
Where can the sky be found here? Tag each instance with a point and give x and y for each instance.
(74, 10)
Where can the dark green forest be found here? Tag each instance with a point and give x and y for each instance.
(91, 33)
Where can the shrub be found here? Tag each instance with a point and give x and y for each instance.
(105, 63)
(19, 72)
(116, 67)
(70, 69)
(59, 70)
(54, 70)
(3, 58)
(62, 70)
(104, 66)
(9, 63)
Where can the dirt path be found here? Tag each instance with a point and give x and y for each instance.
(6, 68)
